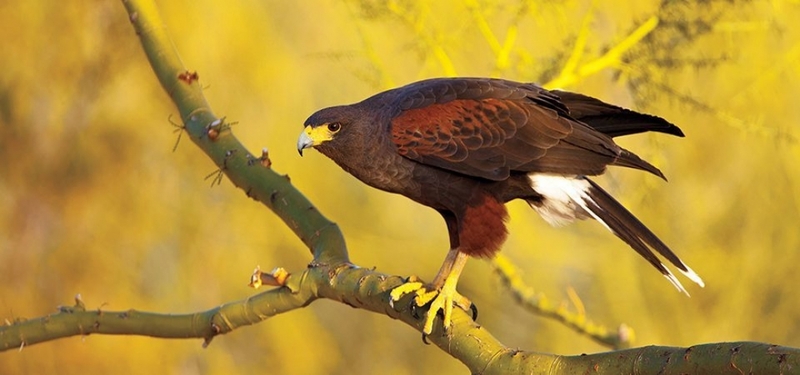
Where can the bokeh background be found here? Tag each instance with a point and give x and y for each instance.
(93, 200)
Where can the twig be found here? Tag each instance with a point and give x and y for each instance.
(539, 304)
(610, 58)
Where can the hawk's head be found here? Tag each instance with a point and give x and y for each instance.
(337, 132)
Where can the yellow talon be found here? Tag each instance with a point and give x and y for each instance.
(423, 298)
(443, 294)
(444, 302)
(403, 289)
(439, 300)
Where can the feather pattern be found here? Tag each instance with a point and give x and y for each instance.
(491, 128)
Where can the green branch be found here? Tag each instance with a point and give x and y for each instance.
(78, 320)
(366, 289)
(539, 304)
(213, 136)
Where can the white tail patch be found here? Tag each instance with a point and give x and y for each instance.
(564, 198)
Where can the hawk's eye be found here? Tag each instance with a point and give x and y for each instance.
(334, 127)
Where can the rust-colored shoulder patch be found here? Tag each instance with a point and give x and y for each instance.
(449, 131)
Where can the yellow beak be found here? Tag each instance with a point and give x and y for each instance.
(313, 136)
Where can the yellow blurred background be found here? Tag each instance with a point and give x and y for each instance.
(94, 201)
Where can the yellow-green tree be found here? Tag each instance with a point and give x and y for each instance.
(95, 202)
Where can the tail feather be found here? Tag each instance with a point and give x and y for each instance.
(565, 198)
(605, 209)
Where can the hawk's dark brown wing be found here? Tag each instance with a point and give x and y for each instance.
(611, 120)
(489, 128)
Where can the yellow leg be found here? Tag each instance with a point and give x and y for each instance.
(447, 265)
(443, 294)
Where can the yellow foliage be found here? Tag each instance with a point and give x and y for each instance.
(94, 201)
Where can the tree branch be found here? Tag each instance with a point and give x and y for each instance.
(572, 73)
(77, 320)
(539, 304)
(211, 134)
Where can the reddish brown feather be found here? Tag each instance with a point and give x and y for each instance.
(439, 129)
(482, 228)
(465, 136)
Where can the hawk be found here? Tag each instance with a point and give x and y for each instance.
(466, 146)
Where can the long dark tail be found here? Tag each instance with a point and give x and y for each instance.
(605, 209)
(563, 199)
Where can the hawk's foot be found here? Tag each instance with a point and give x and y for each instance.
(441, 299)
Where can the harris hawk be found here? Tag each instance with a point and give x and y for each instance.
(466, 146)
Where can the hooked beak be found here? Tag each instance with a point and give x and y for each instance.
(304, 141)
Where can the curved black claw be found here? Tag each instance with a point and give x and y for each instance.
(425, 339)
(474, 310)
(415, 311)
